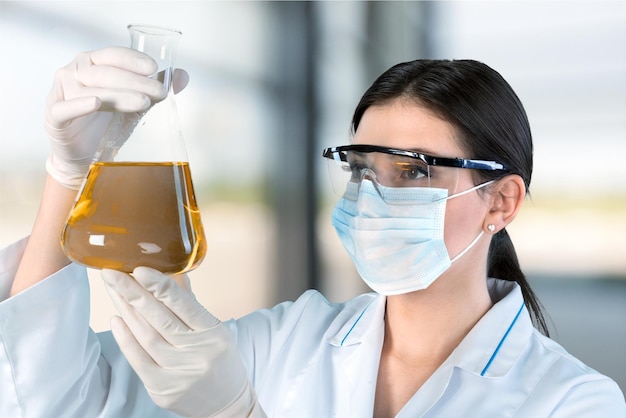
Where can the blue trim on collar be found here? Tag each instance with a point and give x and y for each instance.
(353, 325)
(495, 353)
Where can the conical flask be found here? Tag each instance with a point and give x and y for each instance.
(137, 206)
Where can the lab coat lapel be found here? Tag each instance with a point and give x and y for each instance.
(357, 354)
(360, 370)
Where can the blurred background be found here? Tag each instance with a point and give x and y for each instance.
(273, 83)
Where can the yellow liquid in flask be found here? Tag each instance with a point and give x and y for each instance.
(136, 214)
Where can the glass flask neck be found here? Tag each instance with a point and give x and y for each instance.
(152, 135)
(160, 44)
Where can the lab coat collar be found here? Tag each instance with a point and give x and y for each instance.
(360, 317)
(494, 344)
(490, 349)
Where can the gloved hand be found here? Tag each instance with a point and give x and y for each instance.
(83, 96)
(186, 358)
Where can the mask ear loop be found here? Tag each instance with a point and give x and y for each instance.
(487, 183)
(471, 244)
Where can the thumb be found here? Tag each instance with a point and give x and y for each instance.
(180, 79)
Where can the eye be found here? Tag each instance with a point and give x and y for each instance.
(413, 172)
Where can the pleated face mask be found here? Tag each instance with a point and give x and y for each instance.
(394, 235)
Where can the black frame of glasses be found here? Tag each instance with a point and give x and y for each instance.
(428, 159)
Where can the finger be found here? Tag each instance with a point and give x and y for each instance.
(155, 377)
(154, 344)
(115, 76)
(137, 305)
(133, 314)
(118, 100)
(107, 77)
(114, 68)
(120, 57)
(134, 352)
(128, 290)
(60, 113)
(179, 300)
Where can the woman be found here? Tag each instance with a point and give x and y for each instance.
(439, 165)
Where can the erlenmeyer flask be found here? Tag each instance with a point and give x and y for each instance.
(137, 206)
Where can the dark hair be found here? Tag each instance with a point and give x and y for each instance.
(491, 124)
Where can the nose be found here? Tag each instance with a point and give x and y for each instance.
(367, 174)
(370, 175)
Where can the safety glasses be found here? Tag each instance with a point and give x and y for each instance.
(392, 167)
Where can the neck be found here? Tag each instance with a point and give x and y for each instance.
(424, 327)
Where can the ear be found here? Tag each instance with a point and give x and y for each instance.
(507, 196)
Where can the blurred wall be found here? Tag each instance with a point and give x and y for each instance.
(272, 83)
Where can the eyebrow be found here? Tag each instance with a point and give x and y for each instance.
(430, 153)
(419, 151)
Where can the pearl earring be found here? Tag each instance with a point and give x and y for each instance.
(491, 227)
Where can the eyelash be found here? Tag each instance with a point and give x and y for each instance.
(414, 169)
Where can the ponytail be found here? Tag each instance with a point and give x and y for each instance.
(502, 263)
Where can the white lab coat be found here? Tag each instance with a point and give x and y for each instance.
(307, 358)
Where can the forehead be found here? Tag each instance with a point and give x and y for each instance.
(407, 125)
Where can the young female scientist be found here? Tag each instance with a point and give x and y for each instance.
(438, 166)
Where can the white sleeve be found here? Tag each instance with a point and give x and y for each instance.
(596, 397)
(261, 334)
(51, 363)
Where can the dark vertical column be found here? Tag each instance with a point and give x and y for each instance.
(292, 175)
(396, 32)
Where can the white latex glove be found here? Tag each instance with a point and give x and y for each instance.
(83, 96)
(186, 358)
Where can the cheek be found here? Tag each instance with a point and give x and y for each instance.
(463, 221)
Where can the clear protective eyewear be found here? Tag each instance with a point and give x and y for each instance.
(392, 167)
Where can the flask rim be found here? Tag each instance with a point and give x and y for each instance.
(154, 29)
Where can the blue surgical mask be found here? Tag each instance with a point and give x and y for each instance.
(395, 235)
